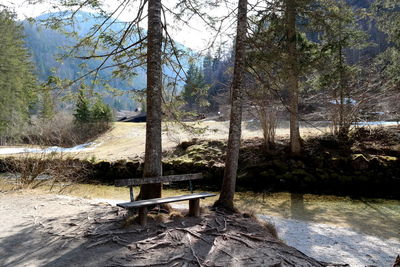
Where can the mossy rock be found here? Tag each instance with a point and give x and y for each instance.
(300, 173)
(196, 157)
(359, 162)
(339, 163)
(345, 179)
(296, 164)
(201, 164)
(388, 158)
(181, 160)
(268, 173)
(280, 165)
(196, 148)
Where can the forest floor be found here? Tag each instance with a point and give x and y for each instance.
(56, 230)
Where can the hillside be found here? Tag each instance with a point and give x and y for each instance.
(46, 45)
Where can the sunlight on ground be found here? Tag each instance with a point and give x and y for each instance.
(377, 217)
(127, 140)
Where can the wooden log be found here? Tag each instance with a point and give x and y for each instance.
(160, 179)
(194, 207)
(143, 216)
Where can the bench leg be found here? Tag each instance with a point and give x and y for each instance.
(143, 216)
(194, 207)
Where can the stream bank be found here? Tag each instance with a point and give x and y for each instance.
(365, 165)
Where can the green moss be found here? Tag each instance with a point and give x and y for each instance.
(200, 164)
(268, 173)
(280, 165)
(358, 156)
(196, 148)
(388, 158)
(299, 172)
(345, 179)
(181, 160)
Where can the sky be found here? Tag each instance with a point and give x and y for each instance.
(197, 36)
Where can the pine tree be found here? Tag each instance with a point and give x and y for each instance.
(292, 63)
(235, 129)
(47, 111)
(101, 112)
(82, 111)
(387, 15)
(339, 33)
(153, 151)
(17, 82)
(194, 91)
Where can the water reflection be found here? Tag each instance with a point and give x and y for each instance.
(378, 217)
(297, 210)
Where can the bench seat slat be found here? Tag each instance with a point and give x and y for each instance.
(157, 201)
(156, 180)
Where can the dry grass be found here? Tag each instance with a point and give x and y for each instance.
(270, 228)
(127, 140)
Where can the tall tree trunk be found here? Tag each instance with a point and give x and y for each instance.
(343, 120)
(342, 130)
(152, 158)
(293, 79)
(235, 128)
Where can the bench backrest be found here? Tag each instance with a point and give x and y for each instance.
(157, 180)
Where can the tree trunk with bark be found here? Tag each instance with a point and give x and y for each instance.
(235, 129)
(293, 78)
(152, 158)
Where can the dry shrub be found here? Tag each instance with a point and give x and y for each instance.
(161, 218)
(56, 132)
(264, 107)
(387, 135)
(204, 210)
(270, 228)
(33, 170)
(266, 225)
(268, 120)
(250, 214)
(175, 214)
(63, 131)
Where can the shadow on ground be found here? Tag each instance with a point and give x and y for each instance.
(97, 235)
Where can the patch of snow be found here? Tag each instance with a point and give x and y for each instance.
(370, 123)
(345, 101)
(335, 244)
(19, 150)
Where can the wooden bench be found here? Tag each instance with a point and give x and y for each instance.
(142, 205)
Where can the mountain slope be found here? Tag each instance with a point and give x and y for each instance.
(46, 45)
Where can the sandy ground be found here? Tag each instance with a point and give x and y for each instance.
(54, 230)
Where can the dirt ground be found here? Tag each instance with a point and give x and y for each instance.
(55, 230)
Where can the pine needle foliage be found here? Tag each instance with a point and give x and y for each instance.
(18, 83)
